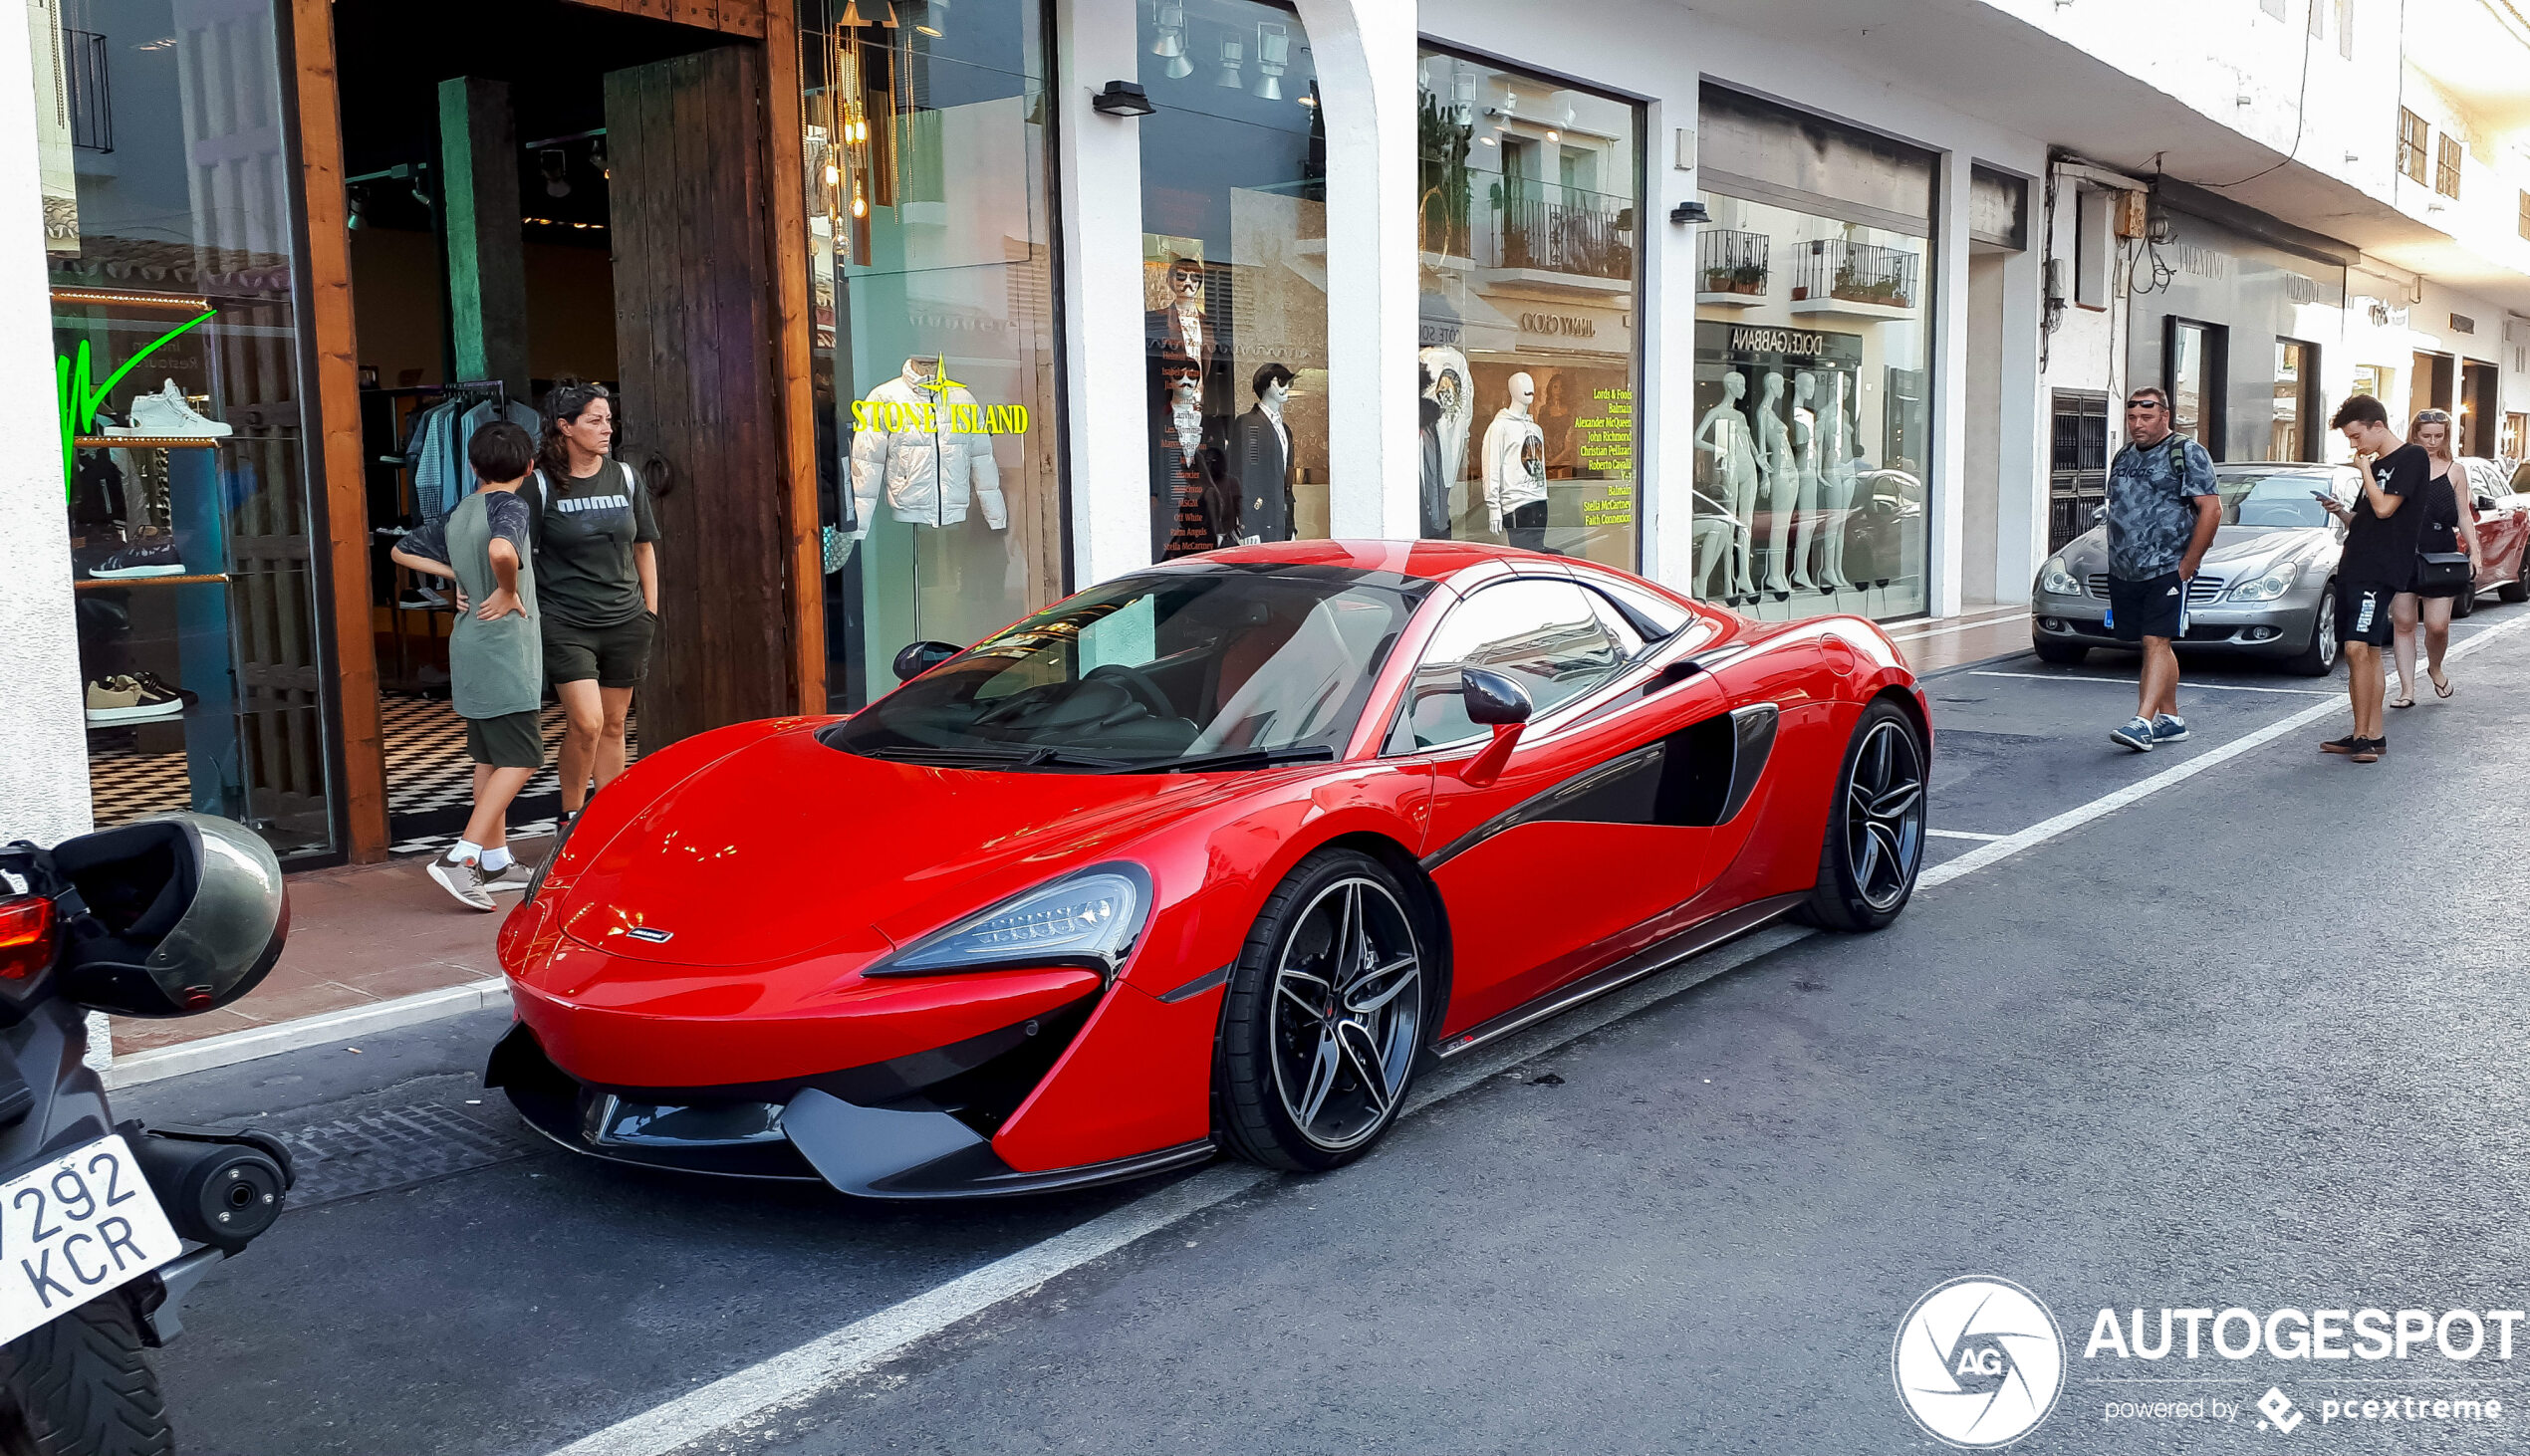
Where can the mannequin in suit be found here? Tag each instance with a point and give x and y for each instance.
(1182, 338)
(1260, 461)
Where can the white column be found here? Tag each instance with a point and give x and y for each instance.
(1948, 467)
(43, 723)
(1107, 425)
(1365, 54)
(1664, 417)
(2020, 535)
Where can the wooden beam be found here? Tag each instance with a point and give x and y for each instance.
(794, 324)
(334, 425)
(727, 17)
(487, 256)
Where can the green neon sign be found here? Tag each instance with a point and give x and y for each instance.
(80, 398)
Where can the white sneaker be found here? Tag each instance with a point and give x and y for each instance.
(167, 415)
(124, 700)
(514, 876)
(462, 878)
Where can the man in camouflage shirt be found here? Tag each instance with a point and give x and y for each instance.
(2162, 512)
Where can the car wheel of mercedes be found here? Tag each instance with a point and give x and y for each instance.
(2318, 657)
(1875, 825)
(1324, 1016)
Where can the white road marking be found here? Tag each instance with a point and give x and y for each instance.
(865, 1344)
(2128, 683)
(1961, 835)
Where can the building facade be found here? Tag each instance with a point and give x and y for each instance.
(923, 314)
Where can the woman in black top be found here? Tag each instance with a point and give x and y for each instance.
(2449, 525)
(597, 581)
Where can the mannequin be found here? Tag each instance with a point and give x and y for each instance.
(1452, 390)
(1260, 461)
(1723, 434)
(929, 474)
(1782, 477)
(1515, 469)
(1805, 454)
(1836, 481)
(1432, 480)
(1182, 337)
(1184, 517)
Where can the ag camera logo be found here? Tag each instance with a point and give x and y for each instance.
(1980, 1362)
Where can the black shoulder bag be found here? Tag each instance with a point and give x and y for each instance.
(2444, 572)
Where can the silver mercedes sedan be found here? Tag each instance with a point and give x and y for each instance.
(2266, 588)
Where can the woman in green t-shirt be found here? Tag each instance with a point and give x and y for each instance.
(597, 574)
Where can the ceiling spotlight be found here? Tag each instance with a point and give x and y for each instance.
(1169, 41)
(1273, 55)
(1554, 135)
(1462, 97)
(1233, 57)
(552, 164)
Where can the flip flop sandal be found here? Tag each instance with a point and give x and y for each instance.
(2403, 702)
(2442, 689)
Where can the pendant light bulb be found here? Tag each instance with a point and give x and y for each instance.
(859, 203)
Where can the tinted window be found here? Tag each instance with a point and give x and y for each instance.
(1544, 635)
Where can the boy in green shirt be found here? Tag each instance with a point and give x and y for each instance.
(496, 663)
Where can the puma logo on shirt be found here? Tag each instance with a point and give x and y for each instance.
(577, 503)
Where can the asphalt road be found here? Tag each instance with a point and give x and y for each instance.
(2254, 1040)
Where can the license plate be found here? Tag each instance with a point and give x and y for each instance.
(72, 1229)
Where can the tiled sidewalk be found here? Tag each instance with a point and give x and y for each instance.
(357, 935)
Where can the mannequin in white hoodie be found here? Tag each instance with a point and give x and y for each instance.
(913, 452)
(1515, 469)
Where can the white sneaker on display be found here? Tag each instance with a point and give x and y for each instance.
(128, 699)
(167, 415)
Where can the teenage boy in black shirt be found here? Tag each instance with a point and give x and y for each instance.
(2377, 564)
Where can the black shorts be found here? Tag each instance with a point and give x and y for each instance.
(2363, 613)
(2147, 609)
(510, 741)
(617, 656)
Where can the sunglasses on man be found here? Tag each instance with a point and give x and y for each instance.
(2144, 404)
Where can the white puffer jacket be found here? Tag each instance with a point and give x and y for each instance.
(907, 448)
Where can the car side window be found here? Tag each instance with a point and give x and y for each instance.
(1545, 636)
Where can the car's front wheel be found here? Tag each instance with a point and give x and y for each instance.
(1875, 825)
(2318, 657)
(1324, 1016)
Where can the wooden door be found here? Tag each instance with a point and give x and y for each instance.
(695, 333)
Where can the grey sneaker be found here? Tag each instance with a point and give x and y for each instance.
(2137, 735)
(511, 876)
(463, 878)
(2168, 728)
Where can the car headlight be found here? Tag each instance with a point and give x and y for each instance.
(2277, 580)
(2056, 581)
(1088, 919)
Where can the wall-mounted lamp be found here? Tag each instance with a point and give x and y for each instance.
(1686, 213)
(1123, 99)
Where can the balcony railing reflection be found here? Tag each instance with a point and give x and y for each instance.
(1563, 230)
(1856, 273)
(1730, 261)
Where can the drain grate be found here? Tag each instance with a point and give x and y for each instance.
(391, 1150)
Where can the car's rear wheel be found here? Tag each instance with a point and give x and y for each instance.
(2518, 589)
(2464, 603)
(1875, 825)
(1324, 1016)
(2068, 655)
(2319, 659)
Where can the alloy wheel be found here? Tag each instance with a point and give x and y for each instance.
(1348, 1007)
(1883, 815)
(2327, 628)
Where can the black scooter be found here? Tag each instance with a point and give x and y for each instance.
(105, 1226)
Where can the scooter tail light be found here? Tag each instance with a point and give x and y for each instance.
(26, 941)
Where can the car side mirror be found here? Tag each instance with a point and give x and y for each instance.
(1500, 704)
(921, 658)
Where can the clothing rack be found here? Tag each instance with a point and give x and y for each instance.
(410, 429)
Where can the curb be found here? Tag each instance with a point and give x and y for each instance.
(231, 1047)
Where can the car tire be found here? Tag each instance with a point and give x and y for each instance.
(1326, 1015)
(2318, 657)
(1867, 869)
(80, 1383)
(2063, 654)
(2518, 589)
(2464, 604)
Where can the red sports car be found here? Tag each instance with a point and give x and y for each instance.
(1210, 856)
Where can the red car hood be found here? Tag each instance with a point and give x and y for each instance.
(788, 848)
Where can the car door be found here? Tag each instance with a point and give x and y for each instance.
(2502, 527)
(1565, 847)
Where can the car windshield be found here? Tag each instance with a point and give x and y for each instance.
(1228, 666)
(2278, 498)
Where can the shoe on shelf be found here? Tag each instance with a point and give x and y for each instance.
(164, 688)
(425, 599)
(2168, 728)
(155, 555)
(121, 699)
(464, 879)
(169, 415)
(2138, 734)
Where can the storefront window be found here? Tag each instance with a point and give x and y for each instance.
(167, 188)
(1234, 246)
(932, 278)
(1812, 384)
(1531, 250)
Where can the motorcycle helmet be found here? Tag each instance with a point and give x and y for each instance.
(182, 913)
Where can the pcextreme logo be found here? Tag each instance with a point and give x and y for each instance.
(1978, 1362)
